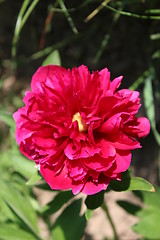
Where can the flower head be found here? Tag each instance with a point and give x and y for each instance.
(78, 128)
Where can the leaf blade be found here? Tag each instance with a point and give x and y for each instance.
(52, 58)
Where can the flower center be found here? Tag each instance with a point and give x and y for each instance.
(81, 124)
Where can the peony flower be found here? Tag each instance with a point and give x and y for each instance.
(78, 128)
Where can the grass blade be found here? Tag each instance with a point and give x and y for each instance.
(69, 19)
(21, 20)
(129, 14)
(149, 104)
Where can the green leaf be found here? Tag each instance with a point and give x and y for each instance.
(13, 232)
(69, 225)
(19, 205)
(148, 225)
(156, 54)
(131, 183)
(22, 165)
(6, 213)
(53, 58)
(149, 104)
(58, 233)
(34, 178)
(139, 81)
(122, 185)
(94, 201)
(23, 15)
(60, 199)
(69, 19)
(88, 214)
(155, 36)
(137, 183)
(148, 99)
(153, 11)
(7, 119)
(152, 200)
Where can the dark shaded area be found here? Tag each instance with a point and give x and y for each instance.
(94, 201)
(129, 207)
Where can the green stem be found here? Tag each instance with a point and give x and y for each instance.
(159, 163)
(105, 208)
(129, 14)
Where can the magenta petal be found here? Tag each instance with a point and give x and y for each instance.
(111, 124)
(76, 170)
(105, 79)
(56, 181)
(115, 83)
(21, 132)
(78, 127)
(140, 127)
(98, 163)
(123, 160)
(107, 149)
(93, 188)
(107, 105)
(77, 187)
(74, 152)
(144, 126)
(123, 142)
(44, 143)
(48, 75)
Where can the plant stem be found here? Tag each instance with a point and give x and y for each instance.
(105, 208)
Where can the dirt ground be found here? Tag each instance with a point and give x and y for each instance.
(98, 227)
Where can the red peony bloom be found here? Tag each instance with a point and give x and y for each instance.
(78, 128)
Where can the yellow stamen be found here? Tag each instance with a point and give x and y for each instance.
(81, 124)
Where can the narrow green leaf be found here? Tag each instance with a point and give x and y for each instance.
(148, 99)
(69, 19)
(18, 26)
(13, 232)
(139, 81)
(21, 20)
(49, 49)
(69, 225)
(21, 164)
(149, 104)
(34, 178)
(7, 119)
(88, 214)
(20, 205)
(6, 213)
(155, 36)
(153, 11)
(60, 199)
(129, 14)
(94, 201)
(53, 58)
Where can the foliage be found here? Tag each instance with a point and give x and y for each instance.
(148, 225)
